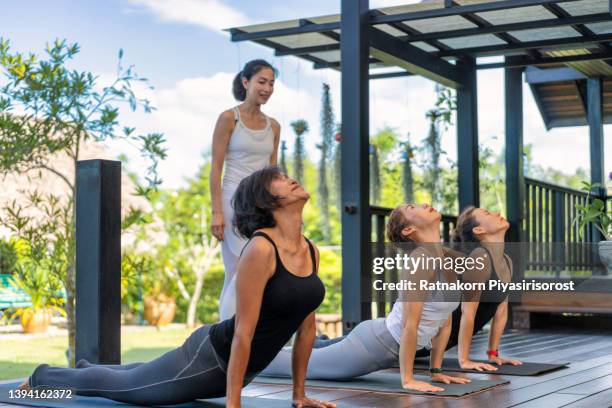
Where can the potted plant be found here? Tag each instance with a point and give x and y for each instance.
(159, 307)
(45, 298)
(594, 212)
(159, 300)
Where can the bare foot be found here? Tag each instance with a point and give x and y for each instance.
(25, 386)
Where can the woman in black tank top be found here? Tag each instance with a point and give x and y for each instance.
(277, 292)
(485, 232)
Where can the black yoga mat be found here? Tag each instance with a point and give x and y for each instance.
(527, 369)
(384, 381)
(78, 401)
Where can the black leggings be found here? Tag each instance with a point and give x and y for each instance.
(184, 374)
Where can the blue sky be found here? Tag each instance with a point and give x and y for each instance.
(179, 46)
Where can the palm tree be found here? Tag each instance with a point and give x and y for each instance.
(300, 127)
(283, 158)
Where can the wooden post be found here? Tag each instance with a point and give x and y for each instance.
(98, 261)
(467, 138)
(354, 50)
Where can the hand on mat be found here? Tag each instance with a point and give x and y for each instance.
(477, 365)
(217, 225)
(421, 386)
(500, 361)
(449, 379)
(304, 402)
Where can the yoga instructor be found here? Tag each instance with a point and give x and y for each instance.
(244, 140)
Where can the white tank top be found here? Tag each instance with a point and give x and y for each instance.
(248, 151)
(433, 316)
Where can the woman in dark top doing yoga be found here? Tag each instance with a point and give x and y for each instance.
(277, 291)
(483, 231)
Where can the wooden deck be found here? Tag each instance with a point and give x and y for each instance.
(586, 383)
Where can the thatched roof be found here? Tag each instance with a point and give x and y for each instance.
(14, 186)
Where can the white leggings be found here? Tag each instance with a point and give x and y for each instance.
(368, 347)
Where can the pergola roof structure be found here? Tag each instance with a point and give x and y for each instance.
(545, 33)
(564, 44)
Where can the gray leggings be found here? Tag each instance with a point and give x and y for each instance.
(184, 374)
(368, 347)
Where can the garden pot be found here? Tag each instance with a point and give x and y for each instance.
(35, 321)
(159, 311)
(605, 254)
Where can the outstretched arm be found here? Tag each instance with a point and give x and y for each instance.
(221, 138)
(438, 346)
(497, 329)
(254, 269)
(276, 128)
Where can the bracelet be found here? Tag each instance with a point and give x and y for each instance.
(435, 370)
(492, 353)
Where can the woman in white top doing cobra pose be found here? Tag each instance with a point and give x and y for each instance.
(245, 140)
(423, 321)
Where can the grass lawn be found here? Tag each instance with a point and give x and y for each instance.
(19, 357)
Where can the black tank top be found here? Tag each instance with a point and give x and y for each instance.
(287, 300)
(486, 308)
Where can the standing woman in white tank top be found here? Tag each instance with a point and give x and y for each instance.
(245, 140)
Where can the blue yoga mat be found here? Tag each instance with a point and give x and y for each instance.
(384, 381)
(78, 401)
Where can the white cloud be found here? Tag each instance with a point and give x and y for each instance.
(187, 112)
(212, 14)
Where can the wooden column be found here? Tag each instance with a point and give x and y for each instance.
(98, 261)
(467, 137)
(596, 142)
(354, 51)
(515, 179)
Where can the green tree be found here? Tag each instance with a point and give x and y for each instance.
(283, 158)
(407, 155)
(8, 256)
(433, 149)
(300, 127)
(440, 117)
(47, 109)
(190, 250)
(338, 168)
(327, 135)
(380, 145)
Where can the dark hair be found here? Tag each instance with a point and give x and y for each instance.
(466, 222)
(397, 222)
(250, 68)
(253, 203)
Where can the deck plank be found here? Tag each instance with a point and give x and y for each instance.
(550, 400)
(506, 396)
(602, 399)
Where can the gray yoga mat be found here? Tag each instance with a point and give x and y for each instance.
(384, 381)
(527, 369)
(78, 401)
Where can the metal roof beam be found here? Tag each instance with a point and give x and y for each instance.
(238, 35)
(525, 45)
(499, 28)
(535, 75)
(391, 50)
(459, 10)
(523, 62)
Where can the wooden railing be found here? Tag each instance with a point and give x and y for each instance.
(555, 242)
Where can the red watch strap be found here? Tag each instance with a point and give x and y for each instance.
(492, 353)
